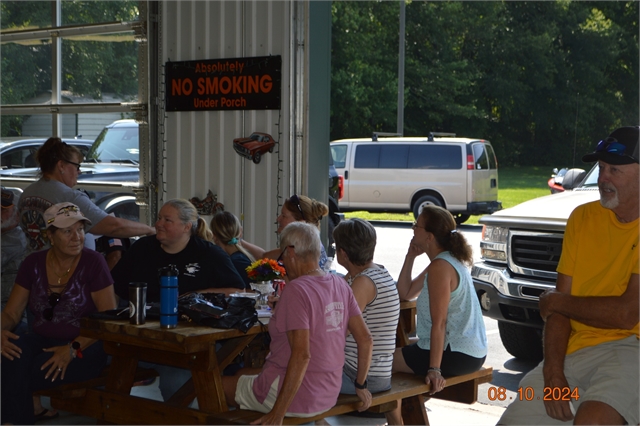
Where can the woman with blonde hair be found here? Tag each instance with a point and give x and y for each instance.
(297, 208)
(227, 233)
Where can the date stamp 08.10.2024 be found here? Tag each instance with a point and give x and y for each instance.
(528, 394)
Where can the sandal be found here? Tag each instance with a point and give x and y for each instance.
(44, 415)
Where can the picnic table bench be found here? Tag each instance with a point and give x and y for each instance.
(408, 387)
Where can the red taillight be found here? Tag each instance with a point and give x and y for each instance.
(471, 164)
(340, 187)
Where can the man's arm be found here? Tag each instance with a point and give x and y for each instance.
(122, 228)
(556, 338)
(602, 312)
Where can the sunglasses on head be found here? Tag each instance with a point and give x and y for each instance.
(54, 298)
(296, 201)
(612, 146)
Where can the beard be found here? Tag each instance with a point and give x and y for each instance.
(611, 201)
(10, 223)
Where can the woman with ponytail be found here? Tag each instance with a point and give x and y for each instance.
(450, 329)
(227, 232)
(182, 239)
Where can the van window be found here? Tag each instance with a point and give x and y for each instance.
(493, 163)
(393, 156)
(339, 155)
(480, 156)
(408, 156)
(447, 157)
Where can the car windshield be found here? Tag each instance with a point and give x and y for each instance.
(116, 144)
(592, 178)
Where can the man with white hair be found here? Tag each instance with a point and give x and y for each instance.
(589, 374)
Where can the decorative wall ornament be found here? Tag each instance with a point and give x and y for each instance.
(255, 146)
(209, 205)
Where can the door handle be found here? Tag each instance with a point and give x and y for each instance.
(346, 174)
(493, 183)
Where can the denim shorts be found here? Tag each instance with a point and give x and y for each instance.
(375, 384)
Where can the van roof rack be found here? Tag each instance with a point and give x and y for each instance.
(440, 135)
(375, 135)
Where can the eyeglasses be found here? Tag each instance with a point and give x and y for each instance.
(295, 200)
(54, 298)
(612, 146)
(75, 164)
(279, 259)
(415, 225)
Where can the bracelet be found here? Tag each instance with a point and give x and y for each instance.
(436, 369)
(75, 349)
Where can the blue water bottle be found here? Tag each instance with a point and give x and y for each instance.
(168, 296)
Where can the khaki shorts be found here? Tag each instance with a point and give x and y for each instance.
(606, 373)
(247, 400)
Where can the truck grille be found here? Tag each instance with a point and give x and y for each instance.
(536, 252)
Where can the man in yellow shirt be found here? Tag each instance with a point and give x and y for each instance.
(589, 374)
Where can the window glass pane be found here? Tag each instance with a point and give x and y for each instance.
(480, 156)
(435, 157)
(393, 156)
(84, 12)
(339, 154)
(492, 157)
(367, 156)
(26, 73)
(100, 68)
(23, 15)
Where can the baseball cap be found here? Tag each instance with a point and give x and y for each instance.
(63, 215)
(621, 147)
(7, 198)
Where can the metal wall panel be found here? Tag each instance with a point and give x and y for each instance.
(198, 145)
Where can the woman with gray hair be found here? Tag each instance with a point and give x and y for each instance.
(182, 239)
(308, 331)
(377, 297)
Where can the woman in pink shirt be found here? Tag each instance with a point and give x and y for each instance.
(302, 374)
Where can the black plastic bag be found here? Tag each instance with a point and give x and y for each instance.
(215, 310)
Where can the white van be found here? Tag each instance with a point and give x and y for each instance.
(404, 174)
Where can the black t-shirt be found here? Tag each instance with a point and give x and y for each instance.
(201, 265)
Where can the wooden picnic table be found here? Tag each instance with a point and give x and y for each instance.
(187, 346)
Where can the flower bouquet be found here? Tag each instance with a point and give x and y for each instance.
(262, 271)
(265, 270)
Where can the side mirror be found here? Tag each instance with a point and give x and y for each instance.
(573, 178)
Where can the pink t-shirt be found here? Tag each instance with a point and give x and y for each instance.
(322, 305)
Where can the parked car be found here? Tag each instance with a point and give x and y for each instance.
(254, 146)
(406, 174)
(21, 153)
(564, 179)
(520, 249)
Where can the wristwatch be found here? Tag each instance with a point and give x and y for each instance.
(358, 385)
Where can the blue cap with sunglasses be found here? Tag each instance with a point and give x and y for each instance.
(621, 147)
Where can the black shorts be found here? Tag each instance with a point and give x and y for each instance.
(453, 363)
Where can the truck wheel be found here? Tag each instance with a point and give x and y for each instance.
(427, 200)
(521, 341)
(256, 158)
(461, 218)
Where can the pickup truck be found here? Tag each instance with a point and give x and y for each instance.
(520, 249)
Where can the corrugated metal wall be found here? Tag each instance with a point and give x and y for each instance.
(198, 145)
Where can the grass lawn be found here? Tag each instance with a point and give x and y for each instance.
(515, 185)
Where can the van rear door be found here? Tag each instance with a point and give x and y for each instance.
(341, 157)
(482, 173)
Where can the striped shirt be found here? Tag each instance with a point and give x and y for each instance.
(381, 316)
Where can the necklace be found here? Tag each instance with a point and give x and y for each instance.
(313, 270)
(64, 275)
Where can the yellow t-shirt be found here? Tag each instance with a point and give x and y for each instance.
(600, 254)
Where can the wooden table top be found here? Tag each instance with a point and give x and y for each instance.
(185, 338)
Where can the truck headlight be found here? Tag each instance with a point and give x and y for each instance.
(493, 245)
